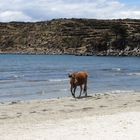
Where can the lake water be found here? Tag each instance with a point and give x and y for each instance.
(25, 77)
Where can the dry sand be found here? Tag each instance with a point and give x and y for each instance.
(99, 117)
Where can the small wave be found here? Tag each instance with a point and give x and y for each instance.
(135, 73)
(42, 92)
(13, 77)
(9, 78)
(113, 69)
(122, 91)
(35, 81)
(117, 69)
(57, 80)
(6, 81)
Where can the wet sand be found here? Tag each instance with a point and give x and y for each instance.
(98, 117)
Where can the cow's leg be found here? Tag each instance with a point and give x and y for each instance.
(85, 88)
(72, 91)
(80, 90)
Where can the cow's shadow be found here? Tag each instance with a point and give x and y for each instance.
(82, 97)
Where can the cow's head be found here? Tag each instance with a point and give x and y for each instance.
(73, 80)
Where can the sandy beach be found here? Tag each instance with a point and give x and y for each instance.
(97, 117)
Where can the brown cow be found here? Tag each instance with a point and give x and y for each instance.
(78, 79)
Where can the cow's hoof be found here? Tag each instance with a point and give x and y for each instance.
(79, 96)
(73, 95)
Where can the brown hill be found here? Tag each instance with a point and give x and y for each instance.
(72, 36)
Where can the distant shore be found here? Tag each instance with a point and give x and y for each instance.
(130, 54)
(118, 37)
(108, 116)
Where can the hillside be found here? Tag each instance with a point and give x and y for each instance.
(72, 36)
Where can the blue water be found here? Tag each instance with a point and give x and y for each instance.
(26, 77)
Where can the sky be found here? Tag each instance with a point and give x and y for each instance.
(42, 10)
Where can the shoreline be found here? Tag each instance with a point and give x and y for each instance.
(45, 116)
(74, 54)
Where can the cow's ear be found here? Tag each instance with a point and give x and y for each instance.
(69, 75)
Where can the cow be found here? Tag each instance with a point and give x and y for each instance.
(78, 79)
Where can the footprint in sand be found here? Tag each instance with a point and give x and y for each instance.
(137, 100)
(69, 105)
(44, 110)
(33, 112)
(87, 108)
(102, 106)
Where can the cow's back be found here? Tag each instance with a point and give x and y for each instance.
(81, 77)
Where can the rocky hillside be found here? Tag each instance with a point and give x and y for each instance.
(72, 36)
